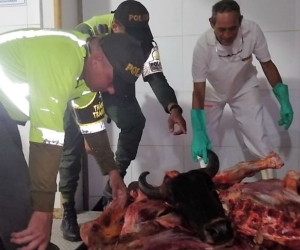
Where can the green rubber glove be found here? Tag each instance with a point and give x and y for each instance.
(286, 111)
(200, 142)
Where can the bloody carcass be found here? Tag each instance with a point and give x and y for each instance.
(183, 213)
(265, 213)
(145, 224)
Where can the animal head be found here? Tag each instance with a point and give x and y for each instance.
(194, 196)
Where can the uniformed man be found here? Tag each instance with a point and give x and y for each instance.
(223, 56)
(40, 72)
(131, 17)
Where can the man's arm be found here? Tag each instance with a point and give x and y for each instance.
(46, 122)
(89, 111)
(162, 90)
(166, 96)
(198, 95)
(100, 147)
(58, 67)
(44, 162)
(281, 93)
(280, 89)
(199, 74)
(101, 150)
(90, 117)
(153, 73)
(200, 142)
(271, 72)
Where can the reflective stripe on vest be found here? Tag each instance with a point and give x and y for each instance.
(52, 137)
(92, 127)
(36, 33)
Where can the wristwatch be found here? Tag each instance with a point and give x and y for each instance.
(175, 106)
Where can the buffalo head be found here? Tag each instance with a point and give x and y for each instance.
(194, 196)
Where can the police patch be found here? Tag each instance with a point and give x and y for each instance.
(153, 63)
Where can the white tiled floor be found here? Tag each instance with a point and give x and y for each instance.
(57, 235)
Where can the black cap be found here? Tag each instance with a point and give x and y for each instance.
(135, 18)
(126, 56)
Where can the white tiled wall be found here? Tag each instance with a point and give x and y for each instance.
(176, 25)
(20, 16)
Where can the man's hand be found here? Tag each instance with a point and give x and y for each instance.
(286, 111)
(176, 118)
(37, 235)
(119, 190)
(287, 114)
(200, 144)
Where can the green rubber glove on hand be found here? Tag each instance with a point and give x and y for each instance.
(286, 111)
(200, 142)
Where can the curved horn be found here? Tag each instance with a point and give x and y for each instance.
(212, 167)
(147, 189)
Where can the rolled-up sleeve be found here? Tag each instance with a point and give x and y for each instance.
(43, 167)
(90, 115)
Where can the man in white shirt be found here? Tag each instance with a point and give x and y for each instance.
(223, 57)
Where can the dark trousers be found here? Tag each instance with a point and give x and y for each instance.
(15, 207)
(127, 115)
(71, 161)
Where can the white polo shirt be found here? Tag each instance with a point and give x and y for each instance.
(227, 75)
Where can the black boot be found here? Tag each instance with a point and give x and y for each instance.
(51, 246)
(69, 225)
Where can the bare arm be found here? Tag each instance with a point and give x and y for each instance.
(271, 72)
(281, 93)
(198, 95)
